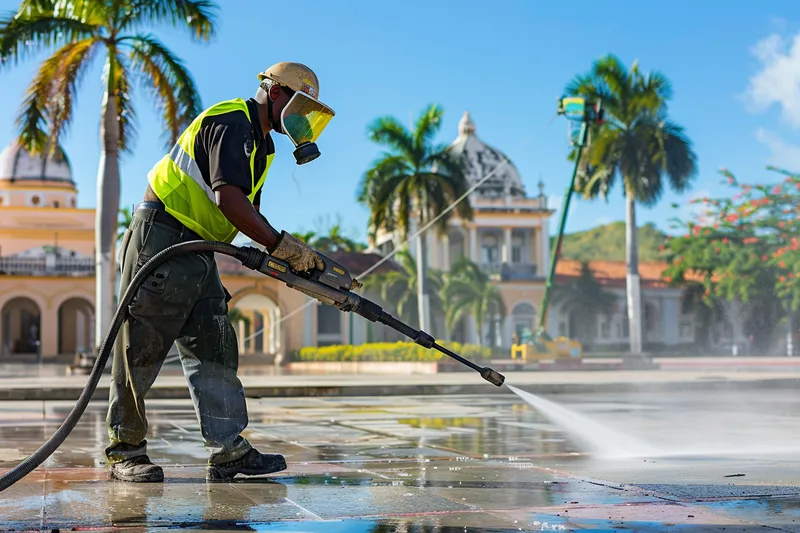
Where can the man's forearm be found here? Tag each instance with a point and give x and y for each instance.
(238, 209)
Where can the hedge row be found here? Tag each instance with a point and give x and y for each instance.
(389, 351)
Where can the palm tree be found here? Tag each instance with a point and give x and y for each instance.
(398, 289)
(413, 180)
(638, 144)
(583, 299)
(83, 28)
(468, 291)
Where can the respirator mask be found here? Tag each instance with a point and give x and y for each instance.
(302, 121)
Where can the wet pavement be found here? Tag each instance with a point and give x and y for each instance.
(728, 462)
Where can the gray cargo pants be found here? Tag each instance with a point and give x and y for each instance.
(182, 301)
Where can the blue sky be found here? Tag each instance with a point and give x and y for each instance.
(735, 74)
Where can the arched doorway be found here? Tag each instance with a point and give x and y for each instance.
(21, 327)
(523, 319)
(256, 319)
(75, 326)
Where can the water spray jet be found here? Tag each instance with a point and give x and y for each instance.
(605, 442)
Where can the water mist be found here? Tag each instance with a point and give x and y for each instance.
(600, 440)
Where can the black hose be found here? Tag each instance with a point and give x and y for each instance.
(66, 427)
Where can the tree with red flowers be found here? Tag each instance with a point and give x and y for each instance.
(746, 248)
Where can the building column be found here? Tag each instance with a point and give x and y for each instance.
(506, 253)
(241, 335)
(48, 331)
(278, 330)
(473, 244)
(544, 244)
(272, 331)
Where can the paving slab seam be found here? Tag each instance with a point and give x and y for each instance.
(428, 445)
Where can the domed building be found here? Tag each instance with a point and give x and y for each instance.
(480, 160)
(508, 236)
(46, 263)
(36, 181)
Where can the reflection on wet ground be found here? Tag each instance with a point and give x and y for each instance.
(443, 463)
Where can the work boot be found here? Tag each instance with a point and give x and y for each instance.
(137, 469)
(253, 463)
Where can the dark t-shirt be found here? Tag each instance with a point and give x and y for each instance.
(223, 146)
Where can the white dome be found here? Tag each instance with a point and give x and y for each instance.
(17, 164)
(481, 159)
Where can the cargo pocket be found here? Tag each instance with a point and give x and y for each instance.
(158, 296)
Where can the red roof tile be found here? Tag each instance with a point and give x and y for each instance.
(612, 273)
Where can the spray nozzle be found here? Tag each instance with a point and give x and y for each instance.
(492, 376)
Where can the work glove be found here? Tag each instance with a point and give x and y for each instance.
(298, 254)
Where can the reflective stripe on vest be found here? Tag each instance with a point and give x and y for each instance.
(177, 181)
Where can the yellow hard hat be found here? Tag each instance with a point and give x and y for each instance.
(295, 76)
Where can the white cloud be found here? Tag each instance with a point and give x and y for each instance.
(778, 79)
(781, 153)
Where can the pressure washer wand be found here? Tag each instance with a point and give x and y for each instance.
(334, 286)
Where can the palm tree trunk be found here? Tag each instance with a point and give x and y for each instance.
(108, 191)
(423, 298)
(632, 278)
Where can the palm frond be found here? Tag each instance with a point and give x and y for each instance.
(610, 71)
(681, 160)
(22, 37)
(426, 126)
(657, 84)
(98, 12)
(198, 16)
(389, 132)
(386, 213)
(382, 168)
(48, 99)
(71, 70)
(31, 120)
(29, 8)
(171, 83)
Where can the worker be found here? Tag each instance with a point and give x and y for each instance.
(207, 188)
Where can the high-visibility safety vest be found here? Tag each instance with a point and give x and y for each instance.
(178, 183)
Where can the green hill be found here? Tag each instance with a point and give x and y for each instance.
(608, 243)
